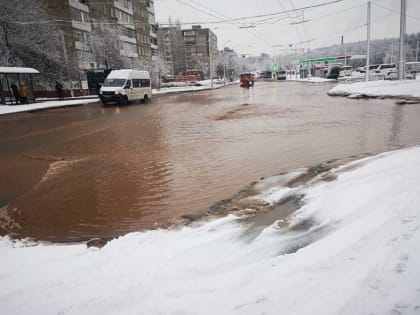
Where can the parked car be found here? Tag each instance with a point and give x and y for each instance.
(385, 68)
(246, 79)
(345, 71)
(393, 75)
(371, 68)
(122, 86)
(281, 75)
(333, 71)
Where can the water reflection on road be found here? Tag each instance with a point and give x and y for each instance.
(75, 173)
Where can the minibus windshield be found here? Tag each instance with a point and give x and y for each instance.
(114, 82)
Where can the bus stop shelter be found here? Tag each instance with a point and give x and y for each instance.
(16, 75)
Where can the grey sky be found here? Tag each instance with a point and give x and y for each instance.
(325, 27)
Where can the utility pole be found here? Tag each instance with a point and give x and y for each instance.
(368, 42)
(224, 72)
(211, 78)
(417, 51)
(392, 53)
(66, 61)
(344, 49)
(402, 35)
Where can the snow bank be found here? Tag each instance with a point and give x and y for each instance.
(401, 89)
(352, 248)
(8, 109)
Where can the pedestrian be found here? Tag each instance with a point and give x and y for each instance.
(15, 92)
(23, 93)
(59, 89)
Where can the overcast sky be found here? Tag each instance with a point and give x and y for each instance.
(324, 27)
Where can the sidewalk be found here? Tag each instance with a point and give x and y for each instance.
(78, 101)
(9, 109)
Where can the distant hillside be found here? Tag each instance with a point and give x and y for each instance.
(381, 50)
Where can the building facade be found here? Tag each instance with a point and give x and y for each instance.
(92, 31)
(201, 49)
(172, 49)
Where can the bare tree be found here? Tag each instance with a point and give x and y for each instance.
(105, 44)
(28, 38)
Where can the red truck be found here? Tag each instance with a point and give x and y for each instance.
(247, 80)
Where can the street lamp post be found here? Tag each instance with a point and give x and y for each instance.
(210, 64)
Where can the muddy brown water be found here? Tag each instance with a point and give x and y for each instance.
(71, 174)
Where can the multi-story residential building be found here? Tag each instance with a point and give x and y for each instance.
(201, 49)
(74, 33)
(172, 49)
(132, 21)
(141, 17)
(119, 15)
(152, 32)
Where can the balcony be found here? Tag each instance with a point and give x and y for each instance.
(127, 39)
(81, 26)
(119, 5)
(80, 6)
(81, 46)
(129, 54)
(129, 25)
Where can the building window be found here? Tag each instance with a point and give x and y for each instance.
(80, 36)
(123, 17)
(79, 16)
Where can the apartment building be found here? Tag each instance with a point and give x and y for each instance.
(171, 45)
(201, 49)
(131, 21)
(153, 28)
(74, 27)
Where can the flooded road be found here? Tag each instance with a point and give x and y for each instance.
(71, 174)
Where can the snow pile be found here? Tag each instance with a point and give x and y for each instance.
(351, 248)
(406, 88)
(8, 109)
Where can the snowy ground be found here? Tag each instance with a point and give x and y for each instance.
(381, 88)
(8, 109)
(351, 248)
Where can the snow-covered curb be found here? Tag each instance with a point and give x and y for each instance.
(311, 80)
(201, 86)
(9, 109)
(351, 248)
(384, 89)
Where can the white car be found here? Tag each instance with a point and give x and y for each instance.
(345, 71)
(393, 75)
(385, 68)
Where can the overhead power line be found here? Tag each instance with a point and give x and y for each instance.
(263, 15)
(395, 11)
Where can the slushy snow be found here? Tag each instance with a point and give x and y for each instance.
(351, 248)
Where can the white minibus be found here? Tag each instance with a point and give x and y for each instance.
(123, 86)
